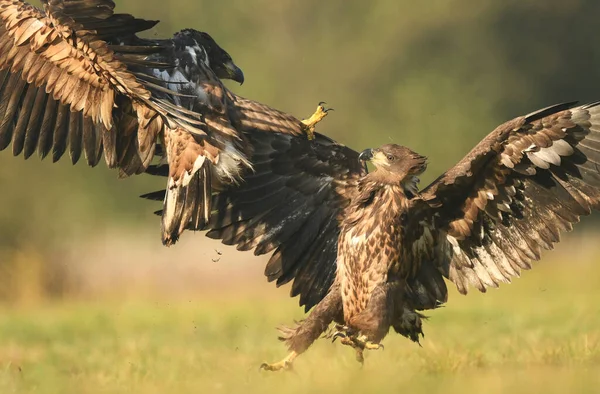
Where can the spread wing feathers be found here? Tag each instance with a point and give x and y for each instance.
(252, 115)
(98, 16)
(287, 205)
(76, 10)
(290, 205)
(489, 217)
(64, 89)
(244, 117)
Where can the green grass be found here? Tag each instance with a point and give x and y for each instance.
(540, 334)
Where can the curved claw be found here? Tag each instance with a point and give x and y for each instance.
(322, 104)
(337, 335)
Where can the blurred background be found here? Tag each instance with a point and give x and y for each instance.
(436, 76)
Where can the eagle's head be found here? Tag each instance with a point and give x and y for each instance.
(212, 55)
(395, 164)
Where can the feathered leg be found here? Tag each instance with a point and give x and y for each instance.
(367, 329)
(299, 338)
(409, 324)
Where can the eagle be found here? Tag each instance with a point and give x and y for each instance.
(367, 252)
(75, 76)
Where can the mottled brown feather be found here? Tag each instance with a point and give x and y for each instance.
(512, 196)
(53, 50)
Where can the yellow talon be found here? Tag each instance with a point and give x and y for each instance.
(283, 365)
(310, 123)
(359, 343)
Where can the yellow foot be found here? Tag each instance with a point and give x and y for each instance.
(310, 123)
(366, 344)
(283, 365)
(358, 342)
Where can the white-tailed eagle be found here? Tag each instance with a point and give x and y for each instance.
(369, 251)
(75, 77)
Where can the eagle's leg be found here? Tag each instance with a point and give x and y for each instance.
(310, 123)
(367, 329)
(299, 338)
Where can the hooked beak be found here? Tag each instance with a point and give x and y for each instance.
(366, 155)
(234, 72)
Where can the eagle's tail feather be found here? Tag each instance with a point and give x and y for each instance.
(185, 206)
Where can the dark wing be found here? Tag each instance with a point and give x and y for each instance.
(99, 16)
(62, 87)
(287, 205)
(491, 215)
(80, 10)
(188, 206)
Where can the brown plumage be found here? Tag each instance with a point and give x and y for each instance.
(370, 250)
(75, 77)
(369, 253)
(57, 68)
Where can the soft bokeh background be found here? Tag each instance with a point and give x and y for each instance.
(91, 302)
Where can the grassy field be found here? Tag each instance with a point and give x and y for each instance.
(539, 334)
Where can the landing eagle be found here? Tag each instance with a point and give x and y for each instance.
(76, 77)
(369, 251)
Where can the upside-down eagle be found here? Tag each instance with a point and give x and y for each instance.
(368, 250)
(75, 76)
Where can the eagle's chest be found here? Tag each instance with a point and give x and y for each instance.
(369, 248)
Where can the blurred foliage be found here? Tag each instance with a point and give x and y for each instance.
(436, 76)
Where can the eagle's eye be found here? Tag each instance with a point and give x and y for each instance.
(390, 157)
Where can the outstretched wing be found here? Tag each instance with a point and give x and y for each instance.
(287, 205)
(491, 215)
(249, 115)
(188, 206)
(99, 16)
(62, 86)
